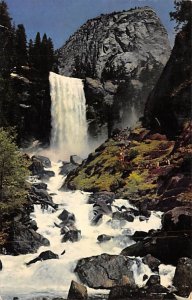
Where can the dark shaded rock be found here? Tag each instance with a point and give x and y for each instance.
(168, 248)
(105, 271)
(76, 160)
(44, 160)
(153, 280)
(152, 262)
(142, 218)
(104, 238)
(24, 240)
(33, 225)
(123, 216)
(1, 265)
(40, 185)
(63, 252)
(66, 168)
(168, 105)
(154, 292)
(47, 174)
(107, 197)
(77, 291)
(42, 197)
(36, 167)
(96, 218)
(145, 277)
(179, 218)
(66, 217)
(183, 276)
(43, 256)
(139, 235)
(72, 236)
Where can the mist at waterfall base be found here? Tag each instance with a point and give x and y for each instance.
(52, 278)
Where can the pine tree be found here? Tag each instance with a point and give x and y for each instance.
(21, 46)
(37, 51)
(182, 14)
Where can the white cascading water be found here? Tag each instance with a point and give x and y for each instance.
(52, 278)
(68, 114)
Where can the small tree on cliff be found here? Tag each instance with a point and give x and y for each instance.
(13, 173)
(182, 14)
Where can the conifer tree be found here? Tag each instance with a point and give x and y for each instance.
(21, 46)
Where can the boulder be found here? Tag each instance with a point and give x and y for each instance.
(77, 291)
(104, 238)
(66, 168)
(36, 167)
(40, 185)
(44, 160)
(179, 219)
(67, 217)
(76, 160)
(1, 265)
(43, 256)
(168, 248)
(107, 197)
(183, 276)
(23, 240)
(105, 271)
(73, 235)
(152, 262)
(139, 235)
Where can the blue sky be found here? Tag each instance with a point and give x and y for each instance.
(61, 18)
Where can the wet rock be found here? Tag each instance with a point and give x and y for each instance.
(123, 216)
(66, 217)
(183, 276)
(40, 185)
(1, 265)
(105, 271)
(36, 167)
(44, 160)
(104, 238)
(66, 168)
(152, 262)
(101, 207)
(41, 196)
(139, 235)
(72, 236)
(96, 219)
(156, 292)
(145, 277)
(76, 160)
(179, 219)
(165, 247)
(43, 256)
(142, 219)
(33, 225)
(23, 240)
(77, 291)
(153, 280)
(47, 174)
(107, 197)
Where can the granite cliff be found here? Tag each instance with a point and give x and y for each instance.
(120, 56)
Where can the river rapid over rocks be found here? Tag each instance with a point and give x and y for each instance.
(78, 228)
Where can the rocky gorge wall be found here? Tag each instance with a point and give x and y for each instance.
(120, 56)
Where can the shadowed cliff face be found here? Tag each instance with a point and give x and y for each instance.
(169, 104)
(120, 56)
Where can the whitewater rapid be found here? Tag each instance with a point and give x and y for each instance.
(53, 277)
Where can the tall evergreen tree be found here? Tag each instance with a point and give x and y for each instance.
(37, 51)
(21, 46)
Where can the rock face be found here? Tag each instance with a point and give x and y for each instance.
(183, 276)
(105, 271)
(120, 56)
(170, 101)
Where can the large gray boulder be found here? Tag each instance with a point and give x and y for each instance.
(183, 276)
(105, 271)
(120, 56)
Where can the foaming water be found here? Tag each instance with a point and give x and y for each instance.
(68, 114)
(53, 277)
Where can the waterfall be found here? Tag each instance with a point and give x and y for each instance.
(68, 113)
